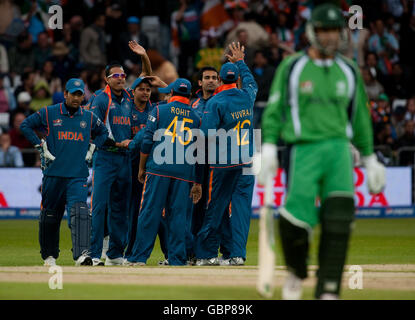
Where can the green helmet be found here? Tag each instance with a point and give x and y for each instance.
(326, 16)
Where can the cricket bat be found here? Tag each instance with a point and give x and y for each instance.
(266, 253)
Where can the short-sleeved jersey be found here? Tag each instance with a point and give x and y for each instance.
(312, 100)
(67, 137)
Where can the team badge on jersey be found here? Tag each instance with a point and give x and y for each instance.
(83, 124)
(306, 86)
(57, 122)
(135, 117)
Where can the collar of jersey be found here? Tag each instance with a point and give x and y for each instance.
(179, 99)
(65, 111)
(148, 104)
(225, 87)
(323, 63)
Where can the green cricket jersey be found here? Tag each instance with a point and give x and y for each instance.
(311, 102)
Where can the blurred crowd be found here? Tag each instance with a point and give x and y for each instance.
(182, 36)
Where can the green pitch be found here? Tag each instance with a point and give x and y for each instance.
(374, 241)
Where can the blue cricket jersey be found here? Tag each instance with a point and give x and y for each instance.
(168, 117)
(115, 113)
(67, 137)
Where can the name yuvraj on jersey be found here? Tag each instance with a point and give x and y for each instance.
(240, 114)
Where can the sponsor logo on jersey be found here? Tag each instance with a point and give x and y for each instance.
(82, 124)
(57, 122)
(70, 135)
(306, 86)
(112, 106)
(340, 88)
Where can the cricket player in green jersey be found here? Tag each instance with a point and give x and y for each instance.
(318, 104)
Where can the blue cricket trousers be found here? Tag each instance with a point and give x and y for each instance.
(111, 187)
(171, 195)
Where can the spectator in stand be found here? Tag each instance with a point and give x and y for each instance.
(410, 109)
(22, 56)
(20, 141)
(358, 43)
(10, 156)
(242, 37)
(406, 140)
(186, 22)
(372, 62)
(211, 54)
(23, 105)
(407, 40)
(41, 96)
(7, 99)
(398, 121)
(73, 47)
(284, 32)
(130, 60)
(46, 74)
(381, 111)
(398, 85)
(373, 87)
(93, 45)
(4, 60)
(263, 73)
(383, 134)
(162, 68)
(28, 82)
(42, 50)
(115, 26)
(385, 45)
(63, 66)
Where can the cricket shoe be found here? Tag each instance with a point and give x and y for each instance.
(223, 261)
(84, 260)
(114, 262)
(164, 262)
(97, 262)
(329, 296)
(105, 247)
(50, 262)
(292, 289)
(208, 262)
(236, 261)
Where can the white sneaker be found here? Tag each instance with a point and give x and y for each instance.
(133, 264)
(84, 260)
(329, 296)
(223, 261)
(164, 262)
(236, 261)
(114, 262)
(105, 246)
(208, 262)
(97, 262)
(292, 289)
(50, 262)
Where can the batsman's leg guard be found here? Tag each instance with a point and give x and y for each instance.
(336, 217)
(49, 225)
(80, 228)
(295, 245)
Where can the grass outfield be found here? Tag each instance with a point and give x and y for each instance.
(374, 242)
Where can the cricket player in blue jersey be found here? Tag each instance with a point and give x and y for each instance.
(141, 90)
(229, 109)
(166, 183)
(111, 180)
(64, 154)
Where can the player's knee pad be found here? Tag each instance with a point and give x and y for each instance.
(80, 216)
(336, 217)
(295, 245)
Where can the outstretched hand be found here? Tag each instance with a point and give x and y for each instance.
(136, 48)
(238, 52)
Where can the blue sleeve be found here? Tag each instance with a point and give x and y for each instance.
(99, 106)
(249, 84)
(38, 120)
(151, 127)
(135, 144)
(98, 130)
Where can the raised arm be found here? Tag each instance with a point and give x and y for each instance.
(145, 61)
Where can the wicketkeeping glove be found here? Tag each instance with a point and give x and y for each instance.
(375, 173)
(46, 158)
(89, 154)
(266, 163)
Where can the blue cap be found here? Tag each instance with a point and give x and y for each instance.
(229, 72)
(138, 81)
(133, 20)
(181, 85)
(74, 85)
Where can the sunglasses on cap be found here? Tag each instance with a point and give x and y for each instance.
(117, 75)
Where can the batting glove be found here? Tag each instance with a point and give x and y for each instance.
(375, 173)
(90, 153)
(266, 163)
(46, 158)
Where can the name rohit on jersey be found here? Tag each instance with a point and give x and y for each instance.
(240, 114)
(69, 135)
(180, 111)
